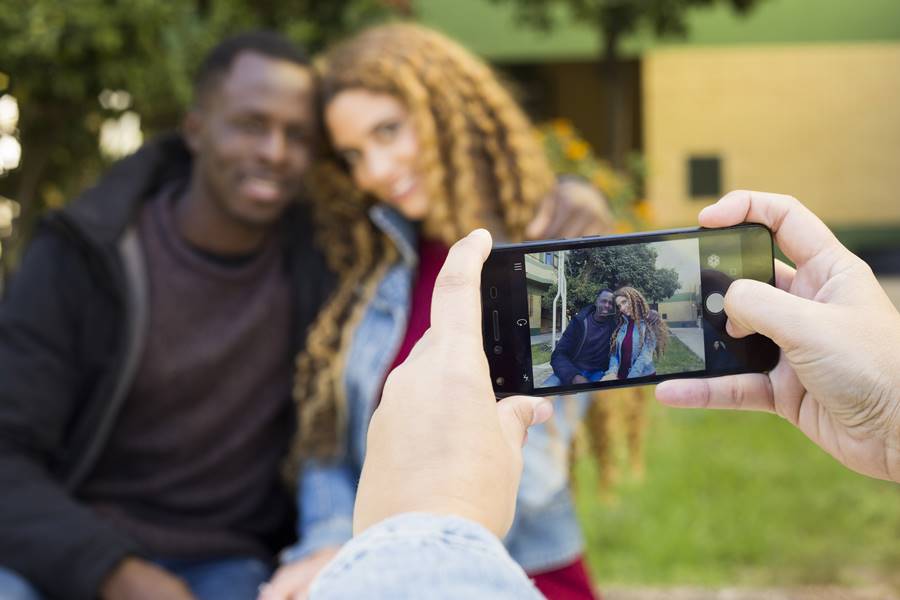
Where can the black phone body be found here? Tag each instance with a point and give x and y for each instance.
(547, 317)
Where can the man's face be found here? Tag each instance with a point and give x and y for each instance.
(605, 305)
(252, 138)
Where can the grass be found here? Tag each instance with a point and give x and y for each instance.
(678, 358)
(540, 353)
(738, 499)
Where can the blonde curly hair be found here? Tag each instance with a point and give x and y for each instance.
(482, 167)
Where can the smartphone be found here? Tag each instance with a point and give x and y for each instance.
(565, 316)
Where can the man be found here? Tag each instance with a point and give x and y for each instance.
(147, 343)
(583, 350)
(439, 481)
(145, 351)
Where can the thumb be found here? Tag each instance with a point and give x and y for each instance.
(518, 413)
(757, 307)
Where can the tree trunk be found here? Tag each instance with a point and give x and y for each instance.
(614, 84)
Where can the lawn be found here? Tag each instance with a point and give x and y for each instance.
(540, 353)
(743, 499)
(678, 358)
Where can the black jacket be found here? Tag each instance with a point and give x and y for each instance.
(71, 330)
(568, 349)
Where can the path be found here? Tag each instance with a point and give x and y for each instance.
(692, 337)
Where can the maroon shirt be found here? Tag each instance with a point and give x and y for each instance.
(432, 255)
(627, 343)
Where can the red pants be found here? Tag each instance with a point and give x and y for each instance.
(570, 582)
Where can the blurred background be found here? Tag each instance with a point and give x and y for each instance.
(664, 105)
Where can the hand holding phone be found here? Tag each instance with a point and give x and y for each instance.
(571, 315)
(839, 374)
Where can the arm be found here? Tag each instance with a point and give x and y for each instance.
(561, 359)
(643, 362)
(326, 494)
(573, 209)
(45, 535)
(453, 558)
(837, 377)
(613, 369)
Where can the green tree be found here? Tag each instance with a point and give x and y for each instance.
(614, 20)
(59, 55)
(590, 270)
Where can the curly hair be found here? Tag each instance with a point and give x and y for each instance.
(641, 313)
(482, 167)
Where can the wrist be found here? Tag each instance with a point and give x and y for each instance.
(117, 580)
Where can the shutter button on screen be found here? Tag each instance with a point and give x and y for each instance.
(715, 303)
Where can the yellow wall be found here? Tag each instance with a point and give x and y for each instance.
(820, 122)
(680, 310)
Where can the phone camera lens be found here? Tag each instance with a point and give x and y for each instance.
(493, 292)
(500, 381)
(498, 349)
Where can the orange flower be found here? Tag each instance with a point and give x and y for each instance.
(577, 150)
(562, 127)
(623, 227)
(644, 210)
(602, 179)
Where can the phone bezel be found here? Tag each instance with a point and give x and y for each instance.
(766, 349)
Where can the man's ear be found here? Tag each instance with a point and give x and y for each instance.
(192, 129)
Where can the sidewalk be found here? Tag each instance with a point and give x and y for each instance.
(543, 338)
(692, 337)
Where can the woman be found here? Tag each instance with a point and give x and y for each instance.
(639, 338)
(427, 145)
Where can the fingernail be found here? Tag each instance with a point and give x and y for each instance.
(706, 208)
(542, 412)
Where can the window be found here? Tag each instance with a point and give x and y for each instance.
(705, 176)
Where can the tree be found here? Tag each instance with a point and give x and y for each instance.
(60, 55)
(614, 20)
(590, 270)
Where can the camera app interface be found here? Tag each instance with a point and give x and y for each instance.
(630, 310)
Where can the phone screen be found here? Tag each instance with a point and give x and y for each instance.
(606, 312)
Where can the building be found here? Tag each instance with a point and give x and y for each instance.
(799, 96)
(541, 273)
(681, 310)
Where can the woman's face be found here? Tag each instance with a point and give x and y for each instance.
(623, 305)
(374, 134)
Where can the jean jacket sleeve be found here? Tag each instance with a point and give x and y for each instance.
(326, 493)
(643, 362)
(614, 356)
(418, 555)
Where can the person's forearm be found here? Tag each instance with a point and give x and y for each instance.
(57, 544)
(417, 554)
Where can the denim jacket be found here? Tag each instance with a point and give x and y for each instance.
(419, 555)
(545, 533)
(641, 356)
